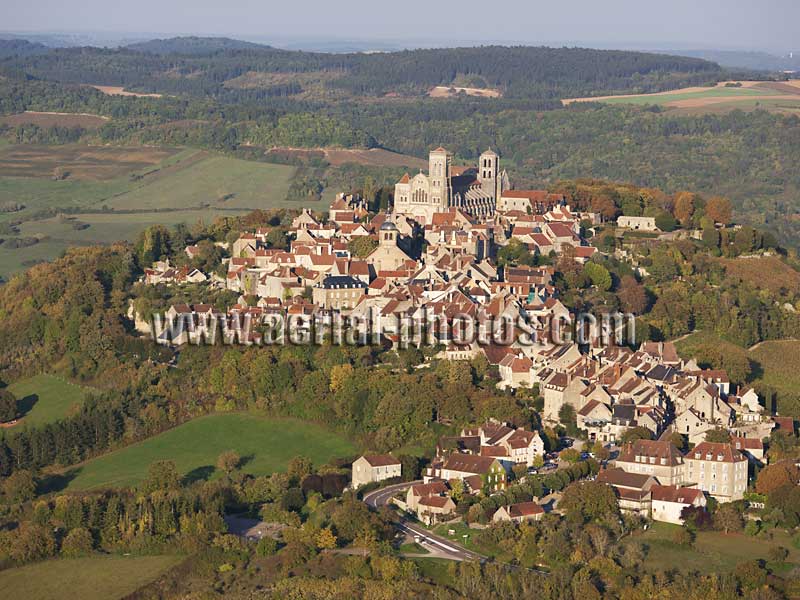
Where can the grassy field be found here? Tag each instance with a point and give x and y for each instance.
(135, 187)
(265, 445)
(712, 552)
(90, 578)
(46, 398)
(215, 181)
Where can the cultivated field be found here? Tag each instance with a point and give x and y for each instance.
(91, 578)
(46, 398)
(266, 445)
(124, 190)
(113, 90)
(78, 162)
(778, 96)
(55, 119)
(444, 91)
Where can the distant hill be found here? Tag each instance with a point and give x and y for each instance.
(19, 47)
(194, 46)
(758, 61)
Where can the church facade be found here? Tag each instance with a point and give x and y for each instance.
(474, 190)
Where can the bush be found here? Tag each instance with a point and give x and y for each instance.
(78, 542)
(266, 546)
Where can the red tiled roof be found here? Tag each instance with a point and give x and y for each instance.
(524, 509)
(381, 460)
(673, 493)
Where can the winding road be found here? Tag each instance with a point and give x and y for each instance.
(444, 547)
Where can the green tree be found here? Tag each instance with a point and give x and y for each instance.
(718, 435)
(599, 276)
(161, 475)
(20, 486)
(267, 546)
(8, 406)
(228, 461)
(362, 246)
(78, 542)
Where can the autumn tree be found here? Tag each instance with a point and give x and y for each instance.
(325, 539)
(299, 467)
(774, 476)
(20, 486)
(632, 295)
(727, 518)
(719, 209)
(684, 208)
(228, 461)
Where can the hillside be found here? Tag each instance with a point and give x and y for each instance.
(193, 45)
(202, 65)
(17, 47)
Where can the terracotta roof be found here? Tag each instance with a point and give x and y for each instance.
(718, 452)
(743, 443)
(494, 451)
(651, 448)
(435, 501)
(468, 463)
(524, 509)
(619, 478)
(429, 489)
(381, 460)
(673, 493)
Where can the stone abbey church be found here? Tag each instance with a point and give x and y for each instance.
(475, 190)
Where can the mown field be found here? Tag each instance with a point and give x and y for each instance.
(265, 445)
(712, 551)
(118, 191)
(46, 398)
(90, 578)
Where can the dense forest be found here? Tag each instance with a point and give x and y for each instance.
(183, 67)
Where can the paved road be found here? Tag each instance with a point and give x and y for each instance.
(445, 548)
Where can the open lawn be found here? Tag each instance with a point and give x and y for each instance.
(712, 551)
(90, 578)
(265, 445)
(46, 398)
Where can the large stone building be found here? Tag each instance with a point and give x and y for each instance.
(474, 190)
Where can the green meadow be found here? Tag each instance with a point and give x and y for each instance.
(266, 445)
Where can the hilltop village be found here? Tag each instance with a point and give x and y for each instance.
(676, 434)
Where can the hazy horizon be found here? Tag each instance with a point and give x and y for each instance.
(703, 24)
